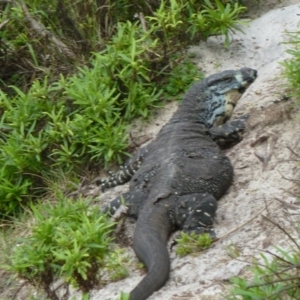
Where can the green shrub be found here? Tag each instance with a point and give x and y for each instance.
(274, 279)
(291, 66)
(73, 121)
(69, 240)
(180, 78)
(216, 19)
(120, 80)
(124, 296)
(116, 265)
(191, 243)
(54, 38)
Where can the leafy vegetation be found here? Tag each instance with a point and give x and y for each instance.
(54, 38)
(273, 278)
(69, 240)
(191, 243)
(124, 296)
(116, 265)
(180, 78)
(291, 67)
(53, 117)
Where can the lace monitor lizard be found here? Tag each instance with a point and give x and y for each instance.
(176, 180)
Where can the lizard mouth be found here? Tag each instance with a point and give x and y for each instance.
(246, 76)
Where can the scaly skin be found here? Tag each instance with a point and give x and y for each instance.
(177, 179)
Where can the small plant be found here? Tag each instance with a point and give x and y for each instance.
(116, 265)
(68, 240)
(291, 67)
(167, 19)
(274, 279)
(181, 78)
(232, 250)
(191, 243)
(124, 296)
(274, 276)
(217, 18)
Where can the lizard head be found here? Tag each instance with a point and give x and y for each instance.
(223, 91)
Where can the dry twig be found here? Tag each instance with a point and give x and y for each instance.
(42, 31)
(239, 227)
(282, 229)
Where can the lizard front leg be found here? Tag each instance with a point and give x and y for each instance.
(230, 133)
(125, 173)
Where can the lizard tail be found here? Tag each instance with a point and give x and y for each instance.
(149, 245)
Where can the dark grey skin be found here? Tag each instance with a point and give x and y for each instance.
(177, 179)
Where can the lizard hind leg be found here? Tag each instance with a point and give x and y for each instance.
(196, 212)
